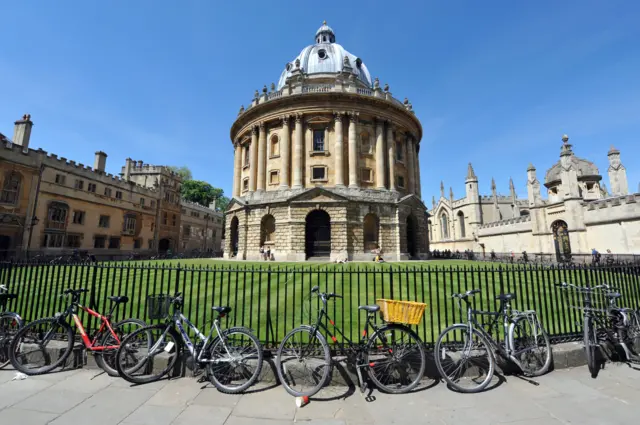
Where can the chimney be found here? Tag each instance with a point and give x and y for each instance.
(22, 132)
(212, 205)
(100, 162)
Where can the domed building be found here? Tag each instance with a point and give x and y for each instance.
(326, 165)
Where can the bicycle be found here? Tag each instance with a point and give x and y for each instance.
(10, 323)
(51, 339)
(391, 347)
(613, 326)
(524, 336)
(227, 358)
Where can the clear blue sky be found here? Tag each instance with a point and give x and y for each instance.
(496, 83)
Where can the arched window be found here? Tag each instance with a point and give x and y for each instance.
(11, 188)
(444, 226)
(371, 229)
(267, 229)
(275, 146)
(430, 226)
(463, 232)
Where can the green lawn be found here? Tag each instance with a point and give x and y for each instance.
(268, 296)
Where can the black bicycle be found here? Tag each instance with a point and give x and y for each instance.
(464, 351)
(611, 331)
(10, 324)
(232, 360)
(393, 356)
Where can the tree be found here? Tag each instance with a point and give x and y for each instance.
(183, 172)
(202, 193)
(222, 202)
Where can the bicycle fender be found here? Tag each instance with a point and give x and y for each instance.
(15, 316)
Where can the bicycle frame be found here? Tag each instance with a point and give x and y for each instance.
(350, 344)
(90, 343)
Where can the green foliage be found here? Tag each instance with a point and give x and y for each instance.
(200, 192)
(183, 172)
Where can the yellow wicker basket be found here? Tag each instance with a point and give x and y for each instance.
(407, 312)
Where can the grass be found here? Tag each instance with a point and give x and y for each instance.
(268, 297)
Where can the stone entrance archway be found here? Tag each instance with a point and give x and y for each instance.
(234, 236)
(411, 236)
(561, 241)
(318, 234)
(164, 245)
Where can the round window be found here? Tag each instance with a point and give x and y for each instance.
(288, 67)
(322, 54)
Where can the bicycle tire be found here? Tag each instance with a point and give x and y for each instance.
(590, 343)
(211, 370)
(440, 351)
(127, 346)
(373, 362)
(284, 372)
(106, 359)
(10, 324)
(519, 325)
(18, 341)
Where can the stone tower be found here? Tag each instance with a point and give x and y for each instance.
(533, 187)
(617, 174)
(473, 198)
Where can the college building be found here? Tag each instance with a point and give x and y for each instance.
(55, 205)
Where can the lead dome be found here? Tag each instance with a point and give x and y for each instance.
(326, 58)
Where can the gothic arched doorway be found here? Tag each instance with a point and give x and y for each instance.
(411, 236)
(561, 240)
(318, 234)
(164, 245)
(234, 236)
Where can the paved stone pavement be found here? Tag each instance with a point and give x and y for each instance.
(84, 396)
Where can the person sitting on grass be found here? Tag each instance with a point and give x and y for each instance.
(378, 254)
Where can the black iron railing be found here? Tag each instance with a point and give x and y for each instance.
(271, 300)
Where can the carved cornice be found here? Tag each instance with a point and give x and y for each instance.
(353, 116)
(263, 126)
(254, 130)
(298, 117)
(338, 115)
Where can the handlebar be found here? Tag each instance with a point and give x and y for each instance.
(565, 285)
(324, 295)
(466, 294)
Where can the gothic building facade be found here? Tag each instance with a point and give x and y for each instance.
(326, 164)
(578, 214)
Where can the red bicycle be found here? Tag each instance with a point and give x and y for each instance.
(45, 344)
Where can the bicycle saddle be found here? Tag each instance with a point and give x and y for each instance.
(119, 299)
(221, 310)
(506, 297)
(369, 308)
(613, 295)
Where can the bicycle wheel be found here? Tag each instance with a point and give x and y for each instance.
(41, 346)
(467, 366)
(148, 354)
(396, 359)
(590, 345)
(633, 331)
(106, 359)
(9, 326)
(530, 344)
(235, 360)
(303, 362)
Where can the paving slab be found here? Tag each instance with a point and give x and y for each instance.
(211, 415)
(17, 416)
(58, 401)
(157, 415)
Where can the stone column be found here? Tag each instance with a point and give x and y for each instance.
(417, 169)
(253, 159)
(297, 154)
(380, 154)
(285, 153)
(237, 168)
(391, 148)
(339, 149)
(262, 157)
(411, 174)
(353, 150)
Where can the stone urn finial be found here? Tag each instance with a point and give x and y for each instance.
(298, 63)
(345, 61)
(376, 83)
(256, 95)
(241, 109)
(264, 89)
(273, 86)
(386, 88)
(406, 101)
